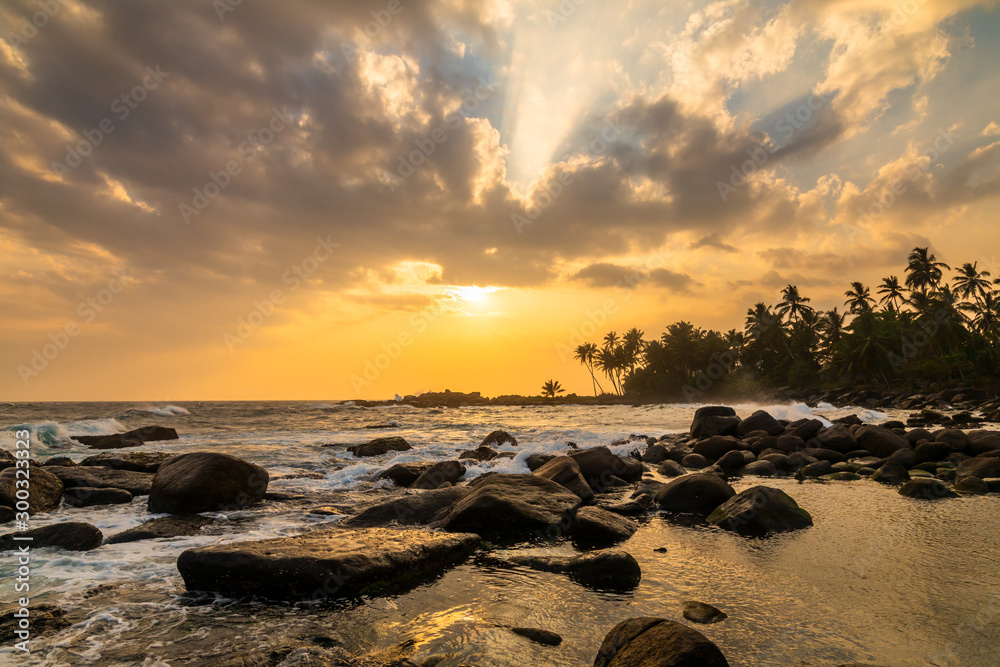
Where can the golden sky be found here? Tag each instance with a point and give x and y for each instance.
(318, 200)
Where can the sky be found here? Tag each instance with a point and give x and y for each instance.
(209, 200)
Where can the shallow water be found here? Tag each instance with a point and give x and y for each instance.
(879, 578)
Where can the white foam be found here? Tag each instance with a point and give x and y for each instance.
(167, 411)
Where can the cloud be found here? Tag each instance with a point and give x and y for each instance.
(606, 274)
(713, 241)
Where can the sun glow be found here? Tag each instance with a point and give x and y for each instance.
(472, 294)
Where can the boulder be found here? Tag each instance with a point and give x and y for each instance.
(804, 428)
(656, 642)
(206, 482)
(760, 510)
(327, 563)
(972, 486)
(403, 474)
(133, 438)
(759, 445)
(536, 461)
(758, 469)
(134, 461)
(63, 461)
(841, 476)
(565, 471)
(926, 488)
(731, 461)
(671, 469)
(512, 506)
(68, 535)
(380, 446)
(479, 454)
(954, 438)
(838, 438)
(760, 421)
(45, 491)
(497, 438)
(418, 508)
(880, 441)
(891, 473)
(598, 466)
(700, 612)
(982, 442)
(904, 457)
(918, 435)
(698, 493)
(164, 526)
(696, 461)
(928, 451)
(655, 454)
(544, 637)
(593, 526)
(817, 469)
(981, 467)
(824, 454)
(6, 514)
(601, 570)
(94, 477)
(701, 415)
(779, 461)
(716, 447)
(82, 496)
(440, 473)
(789, 444)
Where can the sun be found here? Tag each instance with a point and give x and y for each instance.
(472, 294)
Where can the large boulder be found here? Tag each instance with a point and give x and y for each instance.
(564, 470)
(698, 493)
(981, 467)
(880, 441)
(206, 482)
(981, 442)
(45, 491)
(418, 508)
(445, 472)
(600, 467)
(926, 488)
(760, 510)
(68, 535)
(134, 461)
(656, 642)
(380, 446)
(701, 428)
(498, 438)
(804, 428)
(760, 421)
(955, 439)
(789, 444)
(133, 438)
(838, 438)
(715, 447)
(512, 506)
(891, 473)
(927, 451)
(593, 526)
(327, 563)
(94, 477)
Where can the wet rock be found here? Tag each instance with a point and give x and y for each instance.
(206, 482)
(655, 454)
(880, 441)
(760, 421)
(790, 444)
(654, 642)
(954, 438)
(479, 454)
(44, 619)
(696, 461)
(931, 451)
(63, 461)
(602, 570)
(593, 526)
(68, 535)
(417, 508)
(511, 506)
(82, 496)
(817, 469)
(731, 461)
(972, 486)
(838, 438)
(758, 469)
(891, 473)
(982, 442)
(438, 474)
(543, 637)
(697, 493)
(904, 457)
(132, 438)
(636, 506)
(981, 467)
(760, 510)
(380, 446)
(327, 563)
(134, 461)
(498, 438)
(93, 477)
(6, 514)
(565, 471)
(918, 435)
(926, 488)
(598, 466)
(700, 612)
(779, 461)
(45, 492)
(716, 447)
(701, 427)
(536, 461)
(166, 526)
(821, 454)
(403, 474)
(804, 428)
(671, 469)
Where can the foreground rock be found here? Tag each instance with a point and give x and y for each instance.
(69, 535)
(420, 508)
(593, 526)
(760, 510)
(134, 461)
(380, 446)
(445, 472)
(93, 477)
(328, 563)
(714, 420)
(505, 506)
(133, 438)
(656, 642)
(926, 488)
(82, 496)
(565, 471)
(697, 493)
(45, 493)
(206, 482)
(601, 570)
(164, 526)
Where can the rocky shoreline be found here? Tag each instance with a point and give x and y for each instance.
(588, 498)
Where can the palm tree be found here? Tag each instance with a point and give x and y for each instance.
(611, 341)
(986, 315)
(970, 283)
(632, 346)
(923, 271)
(586, 354)
(551, 388)
(893, 294)
(831, 328)
(608, 360)
(859, 299)
(792, 304)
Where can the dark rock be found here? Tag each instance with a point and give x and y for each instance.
(403, 474)
(497, 438)
(760, 510)
(479, 454)
(842, 476)
(981, 467)
(760, 445)
(418, 508)
(918, 435)
(8, 514)
(698, 427)
(716, 447)
(512, 506)
(817, 469)
(731, 461)
(779, 461)
(164, 526)
(697, 493)
(63, 461)
(598, 465)
(327, 563)
(758, 469)
(699, 612)
(656, 642)
(380, 446)
(68, 535)
(671, 469)
(565, 471)
(931, 451)
(608, 570)
(543, 637)
(926, 488)
(82, 496)
(880, 441)
(438, 474)
(891, 473)
(804, 428)
(45, 491)
(206, 482)
(904, 457)
(789, 444)
(798, 460)
(696, 461)
(655, 454)
(955, 439)
(760, 421)
(132, 438)
(824, 454)
(838, 438)
(972, 486)
(134, 461)
(983, 442)
(536, 461)
(594, 526)
(44, 619)
(93, 477)
(716, 425)
(637, 506)
(154, 433)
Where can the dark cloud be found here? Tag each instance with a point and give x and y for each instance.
(605, 274)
